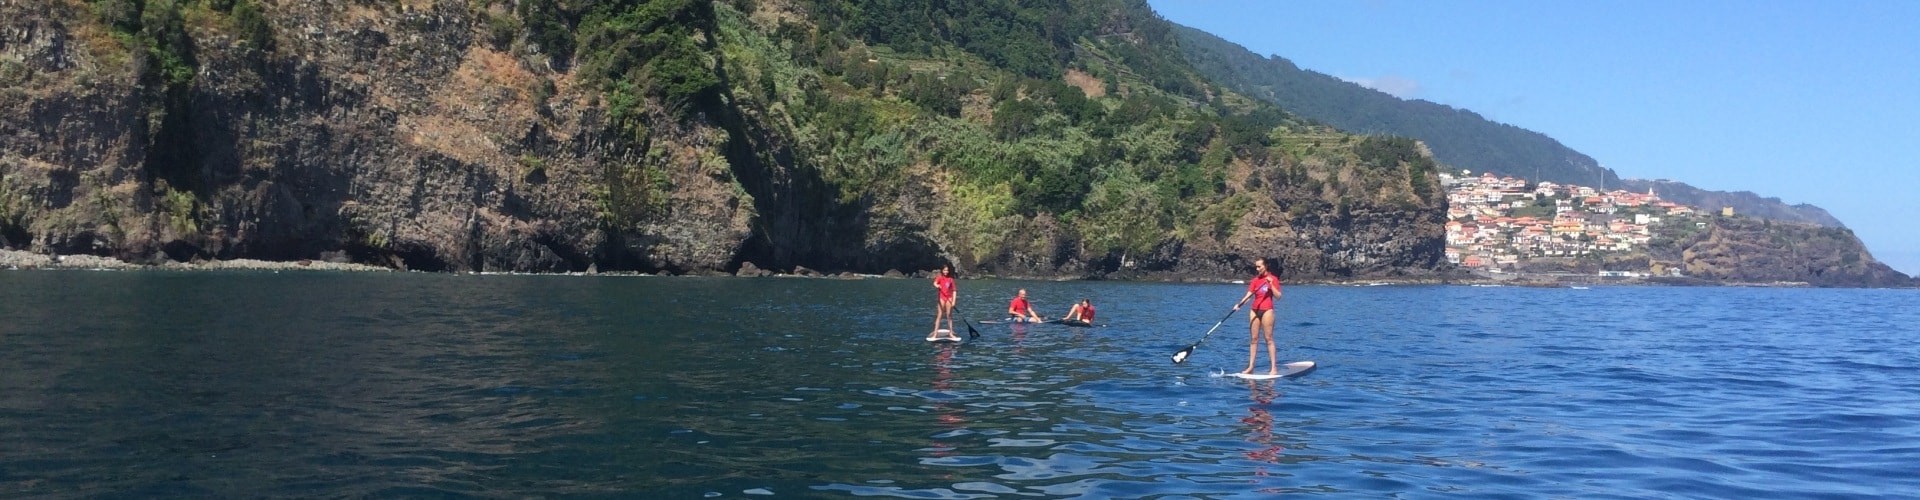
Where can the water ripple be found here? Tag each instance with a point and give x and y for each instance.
(432, 385)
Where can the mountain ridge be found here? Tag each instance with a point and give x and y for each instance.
(1459, 137)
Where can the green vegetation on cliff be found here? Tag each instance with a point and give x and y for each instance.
(1747, 249)
(1056, 138)
(1458, 137)
(1079, 113)
(1061, 138)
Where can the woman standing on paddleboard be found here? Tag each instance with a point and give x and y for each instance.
(943, 281)
(1263, 289)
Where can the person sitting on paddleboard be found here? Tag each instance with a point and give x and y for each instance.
(943, 281)
(1263, 289)
(1020, 310)
(1081, 312)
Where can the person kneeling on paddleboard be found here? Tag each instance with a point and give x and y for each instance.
(1020, 311)
(1081, 313)
(1263, 289)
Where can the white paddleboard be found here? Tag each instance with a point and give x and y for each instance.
(1286, 370)
(943, 335)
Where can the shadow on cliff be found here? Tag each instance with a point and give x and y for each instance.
(799, 221)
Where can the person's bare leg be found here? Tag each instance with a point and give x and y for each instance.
(939, 311)
(950, 332)
(1253, 341)
(1273, 358)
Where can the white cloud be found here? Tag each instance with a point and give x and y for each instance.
(1398, 87)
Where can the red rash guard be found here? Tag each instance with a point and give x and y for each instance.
(1262, 297)
(945, 284)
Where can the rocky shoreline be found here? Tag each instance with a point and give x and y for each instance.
(18, 260)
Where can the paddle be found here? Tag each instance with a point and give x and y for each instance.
(1181, 357)
(971, 333)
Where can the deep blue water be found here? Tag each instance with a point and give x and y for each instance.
(328, 385)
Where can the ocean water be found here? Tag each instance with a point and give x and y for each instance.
(209, 384)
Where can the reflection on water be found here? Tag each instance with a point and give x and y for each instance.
(951, 419)
(301, 384)
(1260, 424)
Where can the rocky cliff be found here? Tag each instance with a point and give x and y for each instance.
(383, 133)
(698, 137)
(1752, 250)
(455, 135)
(1459, 137)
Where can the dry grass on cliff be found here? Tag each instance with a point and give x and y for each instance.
(456, 138)
(104, 54)
(490, 95)
(770, 13)
(378, 12)
(486, 68)
(1093, 87)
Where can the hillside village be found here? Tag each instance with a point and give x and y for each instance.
(1496, 223)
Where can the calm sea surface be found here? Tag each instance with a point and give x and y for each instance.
(203, 384)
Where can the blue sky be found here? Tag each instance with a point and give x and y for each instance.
(1810, 102)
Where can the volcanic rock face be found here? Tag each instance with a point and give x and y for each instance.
(398, 135)
(1742, 249)
(392, 134)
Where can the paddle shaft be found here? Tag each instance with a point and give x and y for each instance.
(1181, 357)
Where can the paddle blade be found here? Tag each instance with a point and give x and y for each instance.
(971, 333)
(1181, 357)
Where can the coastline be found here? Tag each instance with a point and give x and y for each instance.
(19, 260)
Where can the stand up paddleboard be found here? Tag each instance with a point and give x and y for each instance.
(1293, 369)
(943, 335)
